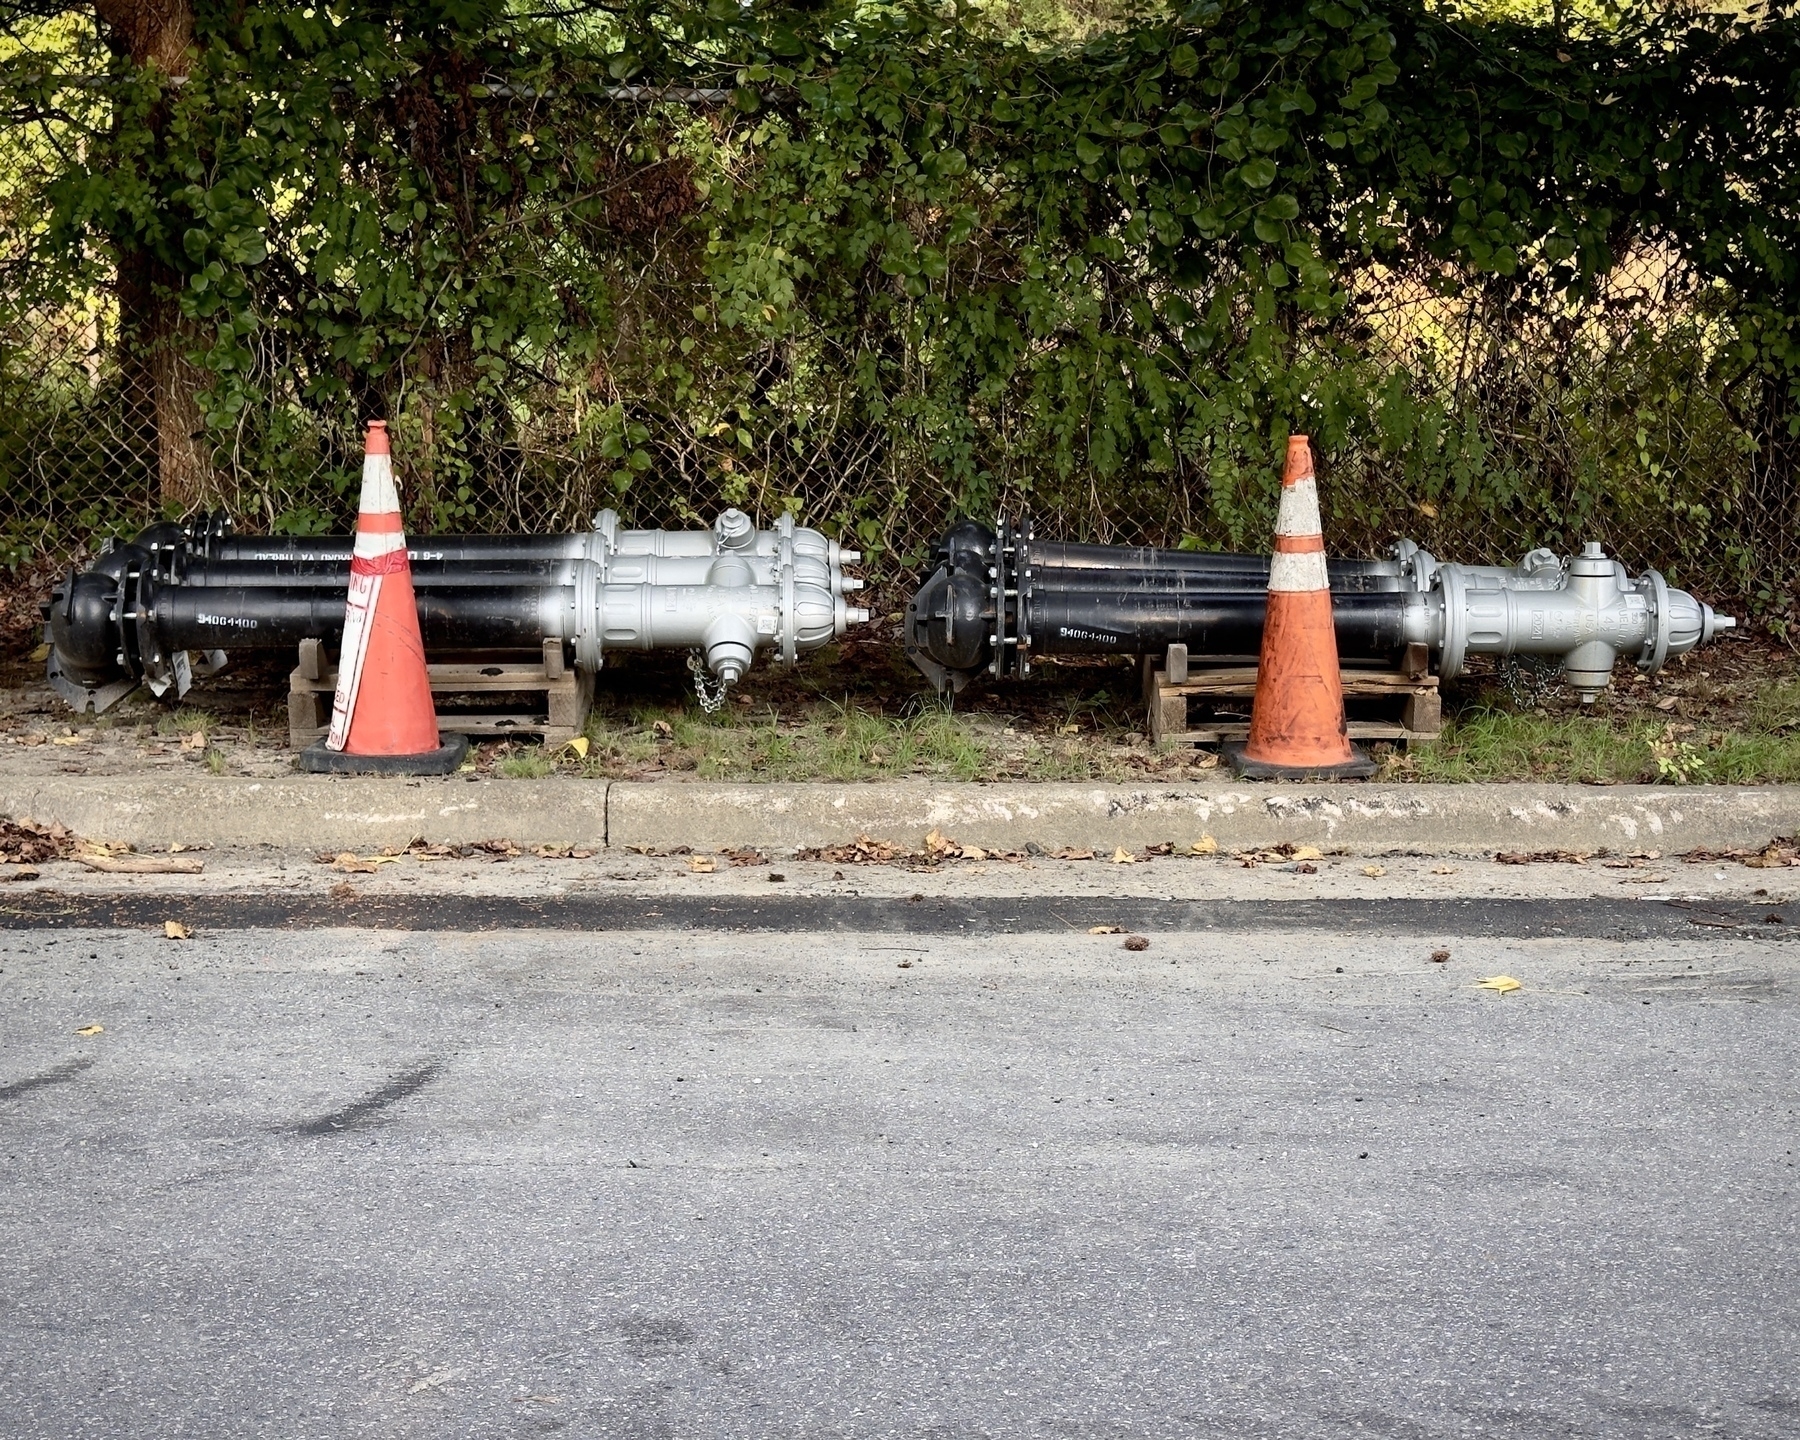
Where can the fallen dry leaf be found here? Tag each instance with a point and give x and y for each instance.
(1106, 929)
(1205, 845)
(1308, 852)
(66, 740)
(1543, 857)
(1122, 856)
(91, 1030)
(175, 930)
(1499, 984)
(1443, 870)
(579, 745)
(1068, 853)
(40, 654)
(195, 741)
(1374, 872)
(662, 730)
(702, 864)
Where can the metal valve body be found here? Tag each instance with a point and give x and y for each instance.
(998, 597)
(726, 593)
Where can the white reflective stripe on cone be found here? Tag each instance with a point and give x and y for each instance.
(1304, 571)
(379, 497)
(1299, 513)
(359, 611)
(373, 546)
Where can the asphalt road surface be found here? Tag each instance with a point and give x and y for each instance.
(1257, 1183)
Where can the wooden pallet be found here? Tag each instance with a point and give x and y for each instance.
(568, 695)
(1169, 685)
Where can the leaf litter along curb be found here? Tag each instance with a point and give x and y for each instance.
(353, 864)
(940, 849)
(1780, 853)
(25, 842)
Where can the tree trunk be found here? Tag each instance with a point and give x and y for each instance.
(160, 382)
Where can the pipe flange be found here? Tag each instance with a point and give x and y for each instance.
(1455, 586)
(784, 558)
(602, 542)
(998, 578)
(1656, 643)
(589, 650)
(1022, 583)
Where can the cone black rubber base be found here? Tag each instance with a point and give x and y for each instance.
(317, 760)
(1358, 767)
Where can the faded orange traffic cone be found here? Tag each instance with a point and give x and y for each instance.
(1297, 728)
(382, 718)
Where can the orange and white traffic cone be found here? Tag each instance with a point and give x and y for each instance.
(1297, 728)
(382, 718)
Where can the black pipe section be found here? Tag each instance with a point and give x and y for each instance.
(1367, 577)
(451, 550)
(489, 617)
(106, 627)
(1105, 566)
(997, 599)
(335, 575)
(1125, 623)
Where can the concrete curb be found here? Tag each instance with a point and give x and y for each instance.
(1426, 819)
(337, 812)
(313, 812)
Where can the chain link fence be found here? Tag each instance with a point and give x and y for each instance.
(1522, 420)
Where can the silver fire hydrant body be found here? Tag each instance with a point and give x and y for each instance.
(727, 593)
(1590, 613)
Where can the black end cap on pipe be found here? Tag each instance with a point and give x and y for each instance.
(82, 629)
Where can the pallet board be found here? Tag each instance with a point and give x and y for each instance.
(567, 695)
(1169, 686)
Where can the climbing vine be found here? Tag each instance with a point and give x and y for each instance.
(888, 262)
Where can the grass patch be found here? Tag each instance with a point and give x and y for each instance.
(842, 741)
(1098, 738)
(187, 721)
(1494, 744)
(532, 764)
